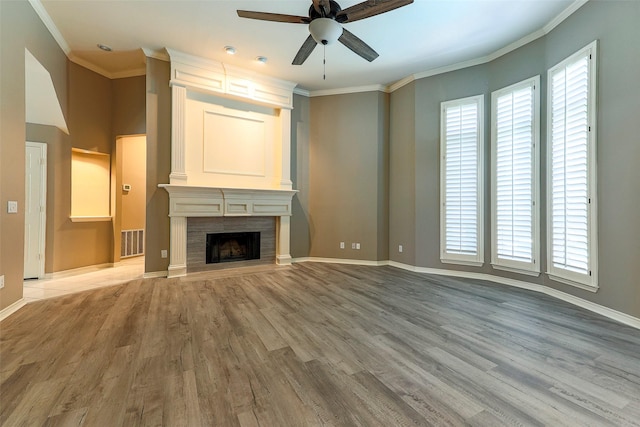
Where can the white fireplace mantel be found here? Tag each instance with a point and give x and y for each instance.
(192, 201)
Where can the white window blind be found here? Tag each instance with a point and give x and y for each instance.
(515, 112)
(571, 168)
(461, 237)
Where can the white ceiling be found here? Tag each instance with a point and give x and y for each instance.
(423, 36)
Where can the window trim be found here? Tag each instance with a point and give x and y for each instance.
(529, 268)
(582, 281)
(461, 259)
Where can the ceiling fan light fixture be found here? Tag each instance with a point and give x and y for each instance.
(325, 30)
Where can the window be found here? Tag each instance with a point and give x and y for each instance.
(515, 113)
(90, 185)
(571, 168)
(461, 172)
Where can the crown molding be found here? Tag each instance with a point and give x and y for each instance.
(301, 92)
(48, 22)
(400, 83)
(577, 4)
(161, 54)
(140, 71)
(346, 90)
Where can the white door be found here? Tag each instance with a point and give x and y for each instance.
(35, 209)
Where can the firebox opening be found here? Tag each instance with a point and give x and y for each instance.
(229, 247)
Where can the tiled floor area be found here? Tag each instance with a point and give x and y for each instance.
(63, 284)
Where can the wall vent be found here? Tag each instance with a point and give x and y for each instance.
(132, 243)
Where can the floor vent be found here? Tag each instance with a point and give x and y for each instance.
(132, 243)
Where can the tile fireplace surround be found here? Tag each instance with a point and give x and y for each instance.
(230, 150)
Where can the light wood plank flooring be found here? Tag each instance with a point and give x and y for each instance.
(315, 344)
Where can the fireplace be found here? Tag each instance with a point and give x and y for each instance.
(241, 242)
(230, 160)
(230, 247)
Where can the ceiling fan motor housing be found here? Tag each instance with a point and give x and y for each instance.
(334, 8)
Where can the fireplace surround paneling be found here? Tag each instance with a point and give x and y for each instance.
(198, 228)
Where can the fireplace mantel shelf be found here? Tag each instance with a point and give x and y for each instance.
(195, 201)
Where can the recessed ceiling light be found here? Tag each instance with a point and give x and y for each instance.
(104, 47)
(262, 59)
(230, 50)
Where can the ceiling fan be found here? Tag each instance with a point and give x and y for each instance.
(325, 24)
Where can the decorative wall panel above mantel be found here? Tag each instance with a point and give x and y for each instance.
(203, 74)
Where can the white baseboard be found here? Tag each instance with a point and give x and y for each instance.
(79, 270)
(341, 261)
(155, 274)
(9, 310)
(571, 299)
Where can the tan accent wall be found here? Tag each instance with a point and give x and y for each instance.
(87, 100)
(83, 244)
(20, 28)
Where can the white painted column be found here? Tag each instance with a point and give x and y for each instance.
(285, 173)
(178, 134)
(283, 231)
(178, 256)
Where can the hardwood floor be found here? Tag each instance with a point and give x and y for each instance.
(315, 344)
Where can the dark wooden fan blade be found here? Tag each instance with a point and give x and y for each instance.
(304, 52)
(358, 46)
(369, 8)
(277, 17)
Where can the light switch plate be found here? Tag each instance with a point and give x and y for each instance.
(2, 281)
(12, 206)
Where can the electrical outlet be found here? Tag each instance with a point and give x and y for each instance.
(399, 248)
(357, 245)
(12, 206)
(163, 253)
(2, 281)
(341, 245)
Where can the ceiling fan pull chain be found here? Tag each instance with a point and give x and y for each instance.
(324, 62)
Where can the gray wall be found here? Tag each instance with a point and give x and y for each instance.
(615, 25)
(402, 179)
(348, 176)
(158, 121)
(300, 233)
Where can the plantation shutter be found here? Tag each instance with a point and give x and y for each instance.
(514, 176)
(570, 166)
(461, 180)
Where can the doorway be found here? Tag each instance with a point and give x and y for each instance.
(130, 196)
(35, 209)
